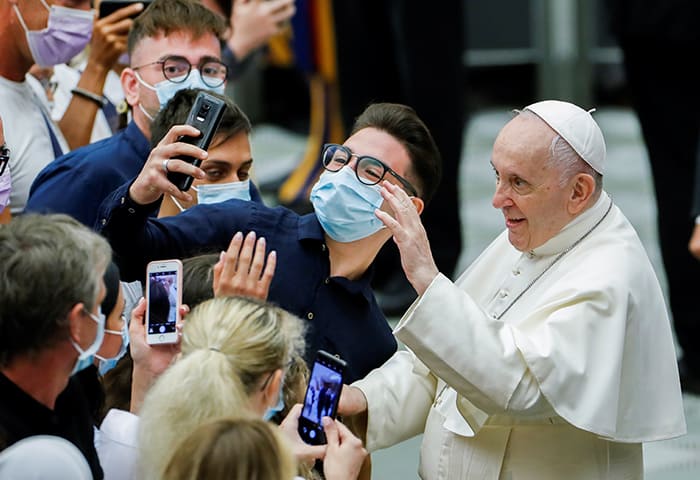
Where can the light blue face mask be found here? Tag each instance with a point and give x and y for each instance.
(220, 192)
(87, 357)
(278, 407)
(167, 89)
(106, 364)
(345, 207)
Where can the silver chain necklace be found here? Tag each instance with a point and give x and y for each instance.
(566, 250)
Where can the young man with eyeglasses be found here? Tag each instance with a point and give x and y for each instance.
(174, 44)
(324, 258)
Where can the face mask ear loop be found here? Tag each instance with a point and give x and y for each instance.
(182, 209)
(20, 18)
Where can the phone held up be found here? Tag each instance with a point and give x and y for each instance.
(205, 116)
(164, 297)
(107, 7)
(322, 395)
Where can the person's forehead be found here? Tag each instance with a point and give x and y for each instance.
(380, 145)
(179, 43)
(523, 140)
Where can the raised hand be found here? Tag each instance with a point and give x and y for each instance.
(242, 269)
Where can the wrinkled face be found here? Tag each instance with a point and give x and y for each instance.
(528, 192)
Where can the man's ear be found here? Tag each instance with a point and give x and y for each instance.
(75, 321)
(581, 192)
(130, 85)
(418, 203)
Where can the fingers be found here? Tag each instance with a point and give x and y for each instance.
(152, 182)
(123, 13)
(331, 428)
(242, 270)
(292, 418)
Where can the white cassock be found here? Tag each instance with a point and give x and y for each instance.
(551, 364)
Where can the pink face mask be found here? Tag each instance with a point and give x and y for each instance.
(67, 33)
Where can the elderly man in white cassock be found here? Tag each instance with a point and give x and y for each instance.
(551, 356)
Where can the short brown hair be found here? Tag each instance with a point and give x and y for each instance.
(402, 123)
(175, 112)
(168, 16)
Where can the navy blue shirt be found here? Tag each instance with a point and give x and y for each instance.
(343, 315)
(76, 183)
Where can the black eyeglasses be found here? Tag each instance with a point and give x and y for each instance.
(369, 170)
(4, 158)
(177, 70)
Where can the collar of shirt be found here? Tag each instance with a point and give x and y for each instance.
(138, 141)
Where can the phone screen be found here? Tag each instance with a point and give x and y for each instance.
(162, 301)
(322, 395)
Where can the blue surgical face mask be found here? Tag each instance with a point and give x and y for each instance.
(345, 207)
(106, 364)
(220, 192)
(87, 357)
(278, 407)
(167, 89)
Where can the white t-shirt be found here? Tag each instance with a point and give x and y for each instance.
(26, 135)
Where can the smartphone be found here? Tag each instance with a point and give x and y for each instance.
(108, 7)
(164, 297)
(322, 395)
(205, 115)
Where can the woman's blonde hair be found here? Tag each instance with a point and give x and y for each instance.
(232, 449)
(229, 346)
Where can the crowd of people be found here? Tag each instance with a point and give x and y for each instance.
(551, 356)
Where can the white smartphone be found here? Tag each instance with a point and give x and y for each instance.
(164, 297)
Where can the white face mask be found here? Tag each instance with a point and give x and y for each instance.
(87, 356)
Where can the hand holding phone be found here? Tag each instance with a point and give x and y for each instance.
(205, 115)
(322, 395)
(164, 297)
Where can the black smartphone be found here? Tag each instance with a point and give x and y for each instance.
(205, 115)
(322, 395)
(108, 7)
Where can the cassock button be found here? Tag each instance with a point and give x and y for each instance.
(310, 315)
